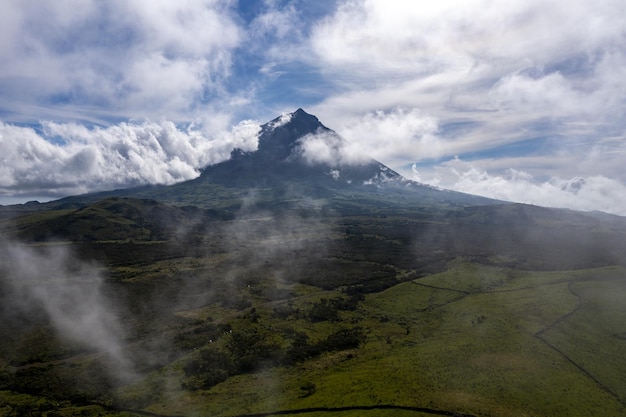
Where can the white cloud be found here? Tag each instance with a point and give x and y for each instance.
(395, 137)
(282, 120)
(276, 22)
(528, 82)
(505, 65)
(330, 149)
(153, 58)
(578, 193)
(420, 38)
(524, 92)
(72, 159)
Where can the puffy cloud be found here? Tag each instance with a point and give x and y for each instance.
(523, 91)
(395, 137)
(538, 86)
(69, 158)
(330, 149)
(141, 58)
(504, 66)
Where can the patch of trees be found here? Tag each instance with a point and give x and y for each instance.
(79, 384)
(328, 310)
(285, 311)
(337, 273)
(372, 286)
(324, 310)
(210, 367)
(246, 350)
(254, 348)
(199, 336)
(343, 339)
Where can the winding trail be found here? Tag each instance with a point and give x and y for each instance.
(539, 335)
(423, 410)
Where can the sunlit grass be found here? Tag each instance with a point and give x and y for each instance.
(478, 353)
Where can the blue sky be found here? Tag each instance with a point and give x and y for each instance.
(518, 100)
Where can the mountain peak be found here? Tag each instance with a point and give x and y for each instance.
(299, 122)
(285, 154)
(279, 136)
(301, 114)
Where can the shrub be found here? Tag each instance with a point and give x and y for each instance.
(209, 368)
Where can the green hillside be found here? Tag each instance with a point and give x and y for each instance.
(305, 308)
(267, 287)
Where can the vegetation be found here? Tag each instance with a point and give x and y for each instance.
(347, 307)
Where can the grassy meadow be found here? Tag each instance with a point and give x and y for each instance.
(316, 312)
(479, 340)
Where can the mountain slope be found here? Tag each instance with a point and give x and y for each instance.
(297, 147)
(111, 219)
(297, 157)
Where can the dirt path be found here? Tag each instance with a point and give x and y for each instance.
(539, 335)
(422, 410)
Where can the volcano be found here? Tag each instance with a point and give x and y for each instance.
(297, 158)
(297, 147)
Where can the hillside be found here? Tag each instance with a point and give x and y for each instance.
(271, 286)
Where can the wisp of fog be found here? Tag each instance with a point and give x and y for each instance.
(69, 291)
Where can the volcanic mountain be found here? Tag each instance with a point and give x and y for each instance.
(297, 158)
(303, 168)
(297, 147)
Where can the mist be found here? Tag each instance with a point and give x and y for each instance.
(274, 296)
(68, 292)
(258, 254)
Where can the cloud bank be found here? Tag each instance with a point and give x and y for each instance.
(592, 193)
(506, 66)
(68, 158)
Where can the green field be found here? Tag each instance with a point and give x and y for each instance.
(497, 342)
(300, 311)
(474, 340)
